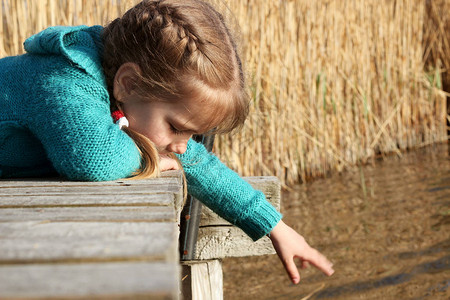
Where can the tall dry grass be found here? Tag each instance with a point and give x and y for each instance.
(437, 36)
(332, 82)
(22, 18)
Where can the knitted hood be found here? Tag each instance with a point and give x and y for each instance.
(81, 45)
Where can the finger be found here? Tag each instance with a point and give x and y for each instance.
(292, 270)
(321, 262)
(166, 164)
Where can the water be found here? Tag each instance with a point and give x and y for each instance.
(385, 227)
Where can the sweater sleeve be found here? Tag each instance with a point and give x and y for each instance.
(226, 193)
(71, 118)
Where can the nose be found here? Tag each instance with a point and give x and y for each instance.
(177, 147)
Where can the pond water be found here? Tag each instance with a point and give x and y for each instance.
(385, 226)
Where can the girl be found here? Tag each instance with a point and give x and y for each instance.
(171, 68)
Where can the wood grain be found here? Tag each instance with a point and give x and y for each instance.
(106, 213)
(124, 280)
(90, 240)
(202, 280)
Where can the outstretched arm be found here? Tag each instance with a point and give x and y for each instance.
(226, 193)
(290, 245)
(231, 197)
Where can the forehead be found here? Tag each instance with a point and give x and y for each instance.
(208, 107)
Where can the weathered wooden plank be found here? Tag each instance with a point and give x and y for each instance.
(104, 240)
(269, 185)
(87, 190)
(90, 241)
(103, 213)
(124, 280)
(229, 241)
(169, 177)
(120, 198)
(167, 190)
(202, 280)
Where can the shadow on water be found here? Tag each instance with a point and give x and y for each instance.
(439, 265)
(385, 227)
(433, 250)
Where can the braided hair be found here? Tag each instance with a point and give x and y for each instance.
(182, 47)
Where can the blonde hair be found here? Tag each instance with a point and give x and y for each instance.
(182, 47)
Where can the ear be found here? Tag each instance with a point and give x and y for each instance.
(125, 80)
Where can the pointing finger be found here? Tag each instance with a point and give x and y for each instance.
(291, 269)
(321, 262)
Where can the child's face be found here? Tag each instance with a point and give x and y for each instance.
(168, 124)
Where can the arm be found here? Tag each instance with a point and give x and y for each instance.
(226, 193)
(235, 200)
(71, 118)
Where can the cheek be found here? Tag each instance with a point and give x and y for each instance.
(157, 135)
(150, 125)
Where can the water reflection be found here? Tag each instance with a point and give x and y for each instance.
(385, 226)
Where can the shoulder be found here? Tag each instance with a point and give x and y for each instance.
(79, 47)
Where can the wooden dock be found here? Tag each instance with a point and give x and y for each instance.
(109, 240)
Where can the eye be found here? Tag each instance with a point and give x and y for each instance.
(175, 131)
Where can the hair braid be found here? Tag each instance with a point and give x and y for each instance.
(182, 47)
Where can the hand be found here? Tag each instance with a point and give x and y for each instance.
(166, 163)
(289, 245)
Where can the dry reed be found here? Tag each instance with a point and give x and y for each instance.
(332, 82)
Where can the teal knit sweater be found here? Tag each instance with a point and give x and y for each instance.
(55, 118)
